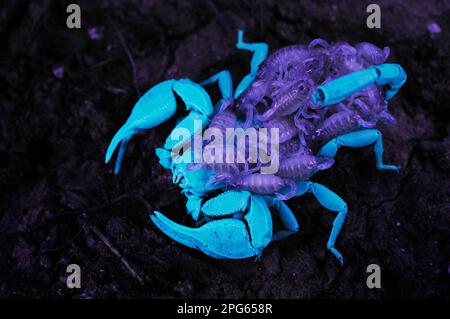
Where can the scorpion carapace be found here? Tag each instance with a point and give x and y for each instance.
(304, 101)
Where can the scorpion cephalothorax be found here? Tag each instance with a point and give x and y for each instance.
(318, 97)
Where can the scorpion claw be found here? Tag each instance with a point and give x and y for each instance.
(153, 108)
(200, 106)
(230, 237)
(157, 106)
(194, 96)
(224, 238)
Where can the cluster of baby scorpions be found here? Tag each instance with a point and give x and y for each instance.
(320, 97)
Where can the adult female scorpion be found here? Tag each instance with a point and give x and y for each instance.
(322, 96)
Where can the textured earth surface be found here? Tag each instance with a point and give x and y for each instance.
(66, 92)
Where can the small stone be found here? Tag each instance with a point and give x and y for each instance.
(58, 72)
(434, 28)
(94, 34)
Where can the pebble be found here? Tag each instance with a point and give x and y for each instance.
(434, 28)
(94, 34)
(58, 72)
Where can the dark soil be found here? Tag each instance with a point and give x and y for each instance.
(58, 198)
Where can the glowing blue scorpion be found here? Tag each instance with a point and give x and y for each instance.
(321, 96)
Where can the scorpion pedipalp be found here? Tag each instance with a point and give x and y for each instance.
(232, 238)
(157, 106)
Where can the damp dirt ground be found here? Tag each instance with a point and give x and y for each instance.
(64, 93)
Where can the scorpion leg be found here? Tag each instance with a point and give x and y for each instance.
(331, 201)
(225, 86)
(287, 218)
(250, 110)
(260, 51)
(359, 139)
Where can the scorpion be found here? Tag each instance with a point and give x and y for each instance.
(321, 97)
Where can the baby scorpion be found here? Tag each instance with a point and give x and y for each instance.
(259, 183)
(287, 100)
(288, 131)
(302, 167)
(338, 123)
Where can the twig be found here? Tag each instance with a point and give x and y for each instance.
(67, 244)
(129, 55)
(102, 63)
(261, 18)
(212, 6)
(114, 250)
(114, 90)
